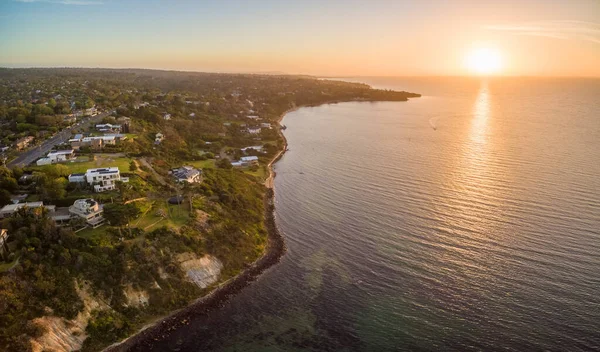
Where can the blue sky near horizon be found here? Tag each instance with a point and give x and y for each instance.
(333, 37)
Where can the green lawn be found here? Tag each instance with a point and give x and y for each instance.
(102, 160)
(97, 234)
(261, 173)
(177, 216)
(202, 164)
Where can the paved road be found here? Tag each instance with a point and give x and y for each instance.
(31, 155)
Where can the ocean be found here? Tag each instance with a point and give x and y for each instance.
(464, 220)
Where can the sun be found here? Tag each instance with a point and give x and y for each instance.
(484, 61)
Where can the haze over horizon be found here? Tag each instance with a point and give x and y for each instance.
(378, 38)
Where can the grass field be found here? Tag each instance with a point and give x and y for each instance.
(261, 173)
(102, 160)
(202, 164)
(176, 216)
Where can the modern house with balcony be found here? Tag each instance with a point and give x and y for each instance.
(102, 179)
(89, 210)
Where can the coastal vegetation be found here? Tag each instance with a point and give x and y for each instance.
(100, 285)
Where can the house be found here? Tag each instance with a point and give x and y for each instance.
(77, 138)
(141, 105)
(253, 130)
(107, 127)
(10, 209)
(186, 174)
(167, 117)
(96, 142)
(56, 157)
(257, 148)
(101, 179)
(89, 210)
(249, 160)
(193, 114)
(253, 117)
(159, 138)
(4, 148)
(24, 142)
(265, 125)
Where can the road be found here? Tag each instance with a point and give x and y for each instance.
(31, 155)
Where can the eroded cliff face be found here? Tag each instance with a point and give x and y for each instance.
(202, 271)
(62, 335)
(136, 297)
(67, 335)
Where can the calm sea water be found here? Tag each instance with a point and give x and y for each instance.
(468, 219)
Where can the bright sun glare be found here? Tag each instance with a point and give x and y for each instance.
(484, 61)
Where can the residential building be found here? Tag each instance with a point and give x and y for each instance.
(10, 209)
(101, 179)
(56, 157)
(253, 117)
(265, 125)
(253, 130)
(24, 142)
(88, 209)
(159, 138)
(96, 142)
(4, 148)
(257, 148)
(186, 174)
(107, 127)
(167, 117)
(249, 160)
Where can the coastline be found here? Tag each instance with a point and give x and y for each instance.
(158, 329)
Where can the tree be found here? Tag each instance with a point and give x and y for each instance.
(4, 197)
(132, 166)
(224, 164)
(120, 214)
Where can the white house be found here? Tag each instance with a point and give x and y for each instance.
(57, 156)
(167, 117)
(88, 209)
(265, 125)
(159, 138)
(258, 148)
(249, 160)
(253, 130)
(186, 174)
(102, 179)
(253, 117)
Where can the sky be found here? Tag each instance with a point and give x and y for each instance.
(325, 38)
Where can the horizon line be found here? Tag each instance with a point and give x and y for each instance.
(278, 73)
